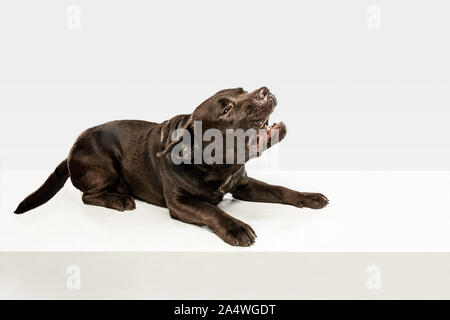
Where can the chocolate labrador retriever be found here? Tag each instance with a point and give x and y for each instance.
(120, 161)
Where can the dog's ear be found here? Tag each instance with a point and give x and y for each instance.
(178, 124)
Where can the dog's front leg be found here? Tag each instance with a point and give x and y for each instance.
(258, 191)
(229, 229)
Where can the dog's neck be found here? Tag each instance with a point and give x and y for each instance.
(226, 178)
(216, 179)
(232, 181)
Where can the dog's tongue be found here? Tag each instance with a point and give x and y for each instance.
(269, 136)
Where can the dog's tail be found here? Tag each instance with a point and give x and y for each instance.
(51, 186)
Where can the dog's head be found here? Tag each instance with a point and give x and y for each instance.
(232, 111)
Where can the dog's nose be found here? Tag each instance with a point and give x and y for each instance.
(263, 93)
(274, 99)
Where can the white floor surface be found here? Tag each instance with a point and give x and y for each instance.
(368, 211)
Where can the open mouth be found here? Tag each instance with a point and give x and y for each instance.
(268, 132)
(272, 102)
(268, 135)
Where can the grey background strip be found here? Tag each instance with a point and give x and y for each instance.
(158, 275)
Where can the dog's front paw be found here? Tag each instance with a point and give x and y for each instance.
(236, 233)
(311, 200)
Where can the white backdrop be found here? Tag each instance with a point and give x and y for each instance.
(353, 97)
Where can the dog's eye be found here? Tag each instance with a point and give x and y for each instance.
(227, 108)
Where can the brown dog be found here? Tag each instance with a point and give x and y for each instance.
(119, 161)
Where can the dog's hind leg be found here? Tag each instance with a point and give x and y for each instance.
(101, 187)
(100, 183)
(118, 201)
